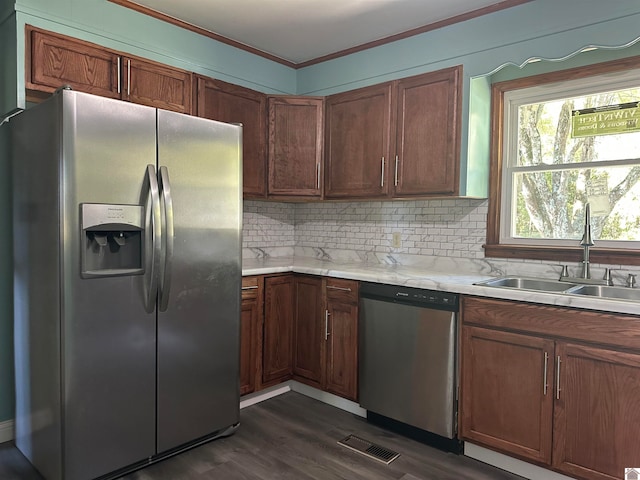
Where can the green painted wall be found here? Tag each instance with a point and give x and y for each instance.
(544, 28)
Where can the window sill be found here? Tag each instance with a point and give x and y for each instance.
(563, 255)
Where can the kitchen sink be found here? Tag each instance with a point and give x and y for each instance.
(526, 283)
(556, 286)
(603, 291)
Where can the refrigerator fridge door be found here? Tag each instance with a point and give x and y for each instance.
(109, 346)
(198, 319)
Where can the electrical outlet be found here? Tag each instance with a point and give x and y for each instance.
(396, 240)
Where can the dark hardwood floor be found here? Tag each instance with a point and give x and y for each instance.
(293, 437)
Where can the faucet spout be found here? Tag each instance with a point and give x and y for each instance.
(586, 242)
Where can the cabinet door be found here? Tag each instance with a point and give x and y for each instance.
(230, 103)
(295, 146)
(597, 412)
(308, 351)
(342, 349)
(155, 85)
(342, 338)
(250, 323)
(358, 127)
(428, 134)
(278, 329)
(55, 60)
(507, 392)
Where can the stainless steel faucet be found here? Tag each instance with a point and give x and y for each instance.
(586, 242)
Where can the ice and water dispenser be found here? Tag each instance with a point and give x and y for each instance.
(113, 239)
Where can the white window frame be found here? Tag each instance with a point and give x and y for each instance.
(513, 99)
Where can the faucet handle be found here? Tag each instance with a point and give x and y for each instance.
(565, 272)
(631, 280)
(607, 276)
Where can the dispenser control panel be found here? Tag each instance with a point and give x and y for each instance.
(112, 240)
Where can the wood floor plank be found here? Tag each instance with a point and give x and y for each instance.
(293, 437)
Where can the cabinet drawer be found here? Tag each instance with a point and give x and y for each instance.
(250, 287)
(570, 323)
(342, 290)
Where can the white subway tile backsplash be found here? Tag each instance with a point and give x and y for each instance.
(431, 231)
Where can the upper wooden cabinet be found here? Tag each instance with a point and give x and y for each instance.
(225, 102)
(399, 139)
(55, 60)
(427, 160)
(295, 146)
(156, 85)
(357, 142)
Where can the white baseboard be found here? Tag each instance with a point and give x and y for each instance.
(325, 397)
(328, 398)
(266, 394)
(6, 431)
(513, 465)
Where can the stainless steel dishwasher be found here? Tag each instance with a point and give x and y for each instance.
(407, 359)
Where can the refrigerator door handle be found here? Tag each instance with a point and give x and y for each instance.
(153, 220)
(167, 239)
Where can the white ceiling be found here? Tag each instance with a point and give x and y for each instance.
(301, 30)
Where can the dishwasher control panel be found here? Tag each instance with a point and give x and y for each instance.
(426, 298)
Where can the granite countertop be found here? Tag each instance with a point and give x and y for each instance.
(419, 277)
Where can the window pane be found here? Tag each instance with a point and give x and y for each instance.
(550, 204)
(545, 131)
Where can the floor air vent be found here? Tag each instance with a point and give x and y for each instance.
(371, 450)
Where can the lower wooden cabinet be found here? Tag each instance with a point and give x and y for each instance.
(507, 386)
(309, 331)
(299, 326)
(326, 334)
(342, 338)
(277, 340)
(250, 333)
(597, 412)
(556, 386)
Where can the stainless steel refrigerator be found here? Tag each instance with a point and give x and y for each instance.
(127, 243)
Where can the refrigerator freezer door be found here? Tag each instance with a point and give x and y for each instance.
(198, 334)
(108, 338)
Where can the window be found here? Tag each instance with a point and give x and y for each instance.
(562, 141)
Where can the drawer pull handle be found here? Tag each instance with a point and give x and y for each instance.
(544, 375)
(251, 287)
(558, 380)
(342, 289)
(326, 324)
